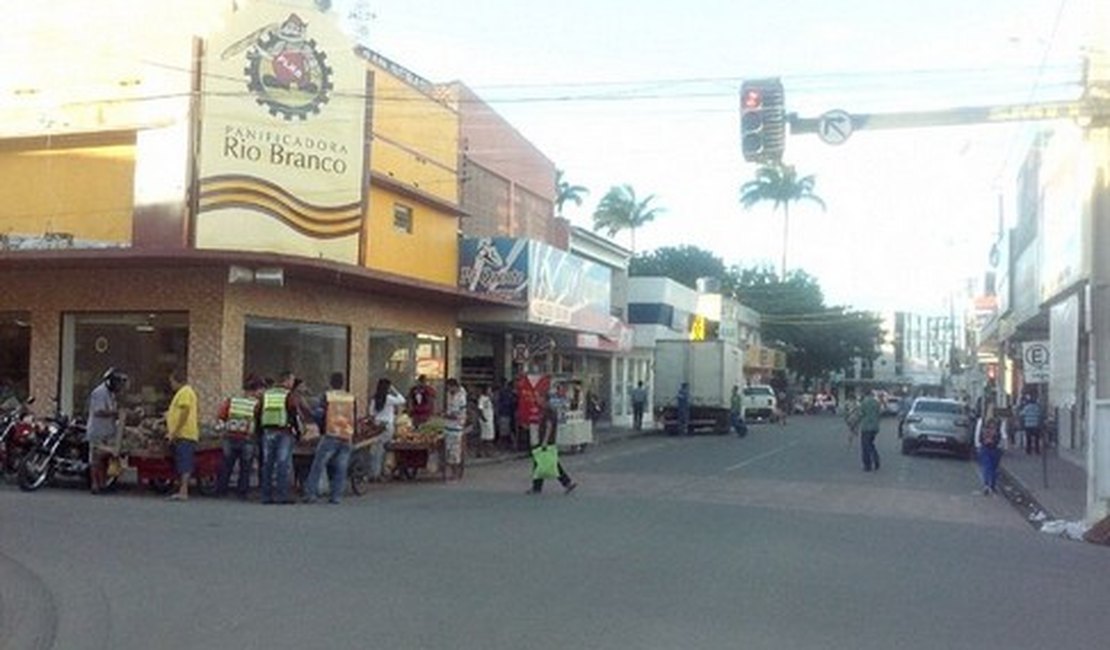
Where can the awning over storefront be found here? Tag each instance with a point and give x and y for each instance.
(293, 267)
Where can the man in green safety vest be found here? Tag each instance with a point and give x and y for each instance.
(240, 417)
(279, 420)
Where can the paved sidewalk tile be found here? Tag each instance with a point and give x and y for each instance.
(1065, 496)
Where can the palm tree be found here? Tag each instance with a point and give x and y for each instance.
(619, 209)
(564, 192)
(779, 184)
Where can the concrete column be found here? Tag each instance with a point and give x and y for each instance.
(1098, 450)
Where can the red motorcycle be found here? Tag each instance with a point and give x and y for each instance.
(17, 437)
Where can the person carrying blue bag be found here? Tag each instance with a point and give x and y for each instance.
(545, 456)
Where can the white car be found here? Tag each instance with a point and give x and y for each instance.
(758, 403)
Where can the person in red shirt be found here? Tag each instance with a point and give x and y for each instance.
(422, 401)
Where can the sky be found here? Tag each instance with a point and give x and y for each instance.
(646, 93)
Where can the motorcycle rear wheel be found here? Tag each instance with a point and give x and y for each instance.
(34, 471)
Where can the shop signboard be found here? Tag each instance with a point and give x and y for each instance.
(495, 266)
(1062, 191)
(560, 289)
(568, 291)
(282, 140)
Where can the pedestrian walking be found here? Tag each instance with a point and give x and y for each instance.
(639, 403)
(1032, 419)
(552, 406)
(869, 417)
(240, 417)
(851, 419)
(280, 417)
(989, 431)
(333, 451)
(183, 432)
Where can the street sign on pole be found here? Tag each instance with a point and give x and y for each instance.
(1036, 362)
(834, 127)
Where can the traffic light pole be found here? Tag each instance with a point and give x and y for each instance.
(1077, 109)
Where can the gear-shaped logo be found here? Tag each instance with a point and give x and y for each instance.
(286, 72)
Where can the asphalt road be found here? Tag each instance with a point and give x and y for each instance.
(777, 540)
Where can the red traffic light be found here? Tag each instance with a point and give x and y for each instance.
(753, 98)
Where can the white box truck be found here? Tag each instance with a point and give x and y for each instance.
(711, 368)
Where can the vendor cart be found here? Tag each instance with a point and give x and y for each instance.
(409, 457)
(155, 468)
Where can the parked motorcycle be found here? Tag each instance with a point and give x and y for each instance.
(16, 437)
(60, 451)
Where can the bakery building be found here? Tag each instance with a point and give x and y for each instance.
(235, 196)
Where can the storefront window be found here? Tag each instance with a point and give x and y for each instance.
(146, 346)
(401, 357)
(312, 351)
(15, 356)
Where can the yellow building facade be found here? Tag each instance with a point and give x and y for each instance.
(310, 225)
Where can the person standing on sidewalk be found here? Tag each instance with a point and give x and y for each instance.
(1031, 420)
(103, 426)
(989, 431)
(682, 404)
(455, 423)
(183, 432)
(506, 413)
(279, 425)
(240, 417)
(383, 413)
(333, 451)
(639, 403)
(485, 422)
(869, 413)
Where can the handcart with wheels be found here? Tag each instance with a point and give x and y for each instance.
(410, 457)
(155, 468)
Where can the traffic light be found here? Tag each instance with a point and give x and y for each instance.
(762, 120)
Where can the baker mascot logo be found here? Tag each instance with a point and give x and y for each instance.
(286, 72)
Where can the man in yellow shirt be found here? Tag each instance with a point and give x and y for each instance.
(182, 431)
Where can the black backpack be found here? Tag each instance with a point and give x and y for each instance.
(989, 434)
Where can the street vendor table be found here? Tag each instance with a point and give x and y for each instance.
(155, 467)
(411, 457)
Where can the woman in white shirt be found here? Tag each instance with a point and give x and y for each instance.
(383, 410)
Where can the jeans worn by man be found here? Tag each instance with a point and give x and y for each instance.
(335, 455)
(237, 451)
(868, 451)
(277, 462)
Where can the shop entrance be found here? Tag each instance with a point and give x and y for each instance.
(15, 357)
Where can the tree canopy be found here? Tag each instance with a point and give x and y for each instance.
(683, 264)
(819, 339)
(620, 209)
(780, 185)
(565, 192)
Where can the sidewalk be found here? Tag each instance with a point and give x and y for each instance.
(1064, 498)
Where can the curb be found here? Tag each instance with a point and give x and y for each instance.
(1023, 500)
